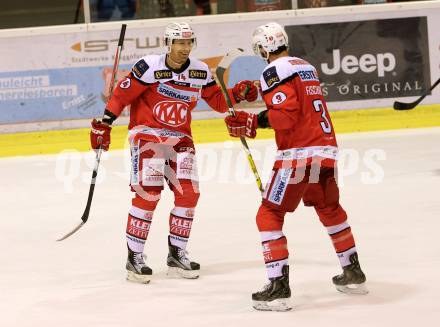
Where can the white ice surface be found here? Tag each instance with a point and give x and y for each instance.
(81, 281)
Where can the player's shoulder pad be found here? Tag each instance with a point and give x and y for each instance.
(199, 72)
(285, 69)
(144, 68)
(304, 70)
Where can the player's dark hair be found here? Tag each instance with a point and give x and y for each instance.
(279, 50)
(172, 41)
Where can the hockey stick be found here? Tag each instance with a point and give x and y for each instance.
(220, 72)
(85, 215)
(78, 8)
(407, 106)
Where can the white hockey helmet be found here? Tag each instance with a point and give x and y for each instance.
(178, 31)
(269, 37)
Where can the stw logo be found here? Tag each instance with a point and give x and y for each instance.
(172, 113)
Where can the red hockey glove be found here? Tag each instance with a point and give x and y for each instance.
(100, 135)
(242, 124)
(245, 90)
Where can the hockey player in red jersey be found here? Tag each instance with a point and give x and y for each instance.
(162, 90)
(304, 169)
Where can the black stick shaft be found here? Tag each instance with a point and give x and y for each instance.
(407, 106)
(86, 212)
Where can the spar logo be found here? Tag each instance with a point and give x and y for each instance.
(380, 63)
(171, 113)
(280, 185)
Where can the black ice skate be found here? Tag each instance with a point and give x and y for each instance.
(179, 265)
(352, 280)
(137, 270)
(276, 295)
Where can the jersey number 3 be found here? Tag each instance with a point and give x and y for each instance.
(325, 124)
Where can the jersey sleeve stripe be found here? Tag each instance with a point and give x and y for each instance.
(132, 75)
(209, 84)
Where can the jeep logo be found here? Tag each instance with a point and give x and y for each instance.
(171, 113)
(367, 63)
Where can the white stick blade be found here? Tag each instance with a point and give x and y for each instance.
(230, 57)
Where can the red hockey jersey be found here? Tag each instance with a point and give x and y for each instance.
(163, 98)
(298, 112)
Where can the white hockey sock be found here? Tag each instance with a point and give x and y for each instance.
(344, 257)
(138, 226)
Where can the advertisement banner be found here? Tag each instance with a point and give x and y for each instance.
(67, 76)
(52, 94)
(384, 58)
(63, 73)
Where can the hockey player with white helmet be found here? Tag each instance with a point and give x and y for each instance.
(304, 169)
(269, 38)
(162, 90)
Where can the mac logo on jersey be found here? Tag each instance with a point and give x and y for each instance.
(278, 98)
(171, 113)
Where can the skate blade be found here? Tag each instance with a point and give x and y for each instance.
(175, 272)
(359, 289)
(275, 305)
(137, 278)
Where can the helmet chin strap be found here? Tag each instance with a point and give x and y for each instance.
(263, 53)
(167, 43)
(266, 57)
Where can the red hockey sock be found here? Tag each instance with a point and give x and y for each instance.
(343, 241)
(138, 226)
(180, 226)
(275, 252)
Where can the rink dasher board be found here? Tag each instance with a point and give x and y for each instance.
(67, 82)
(208, 130)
